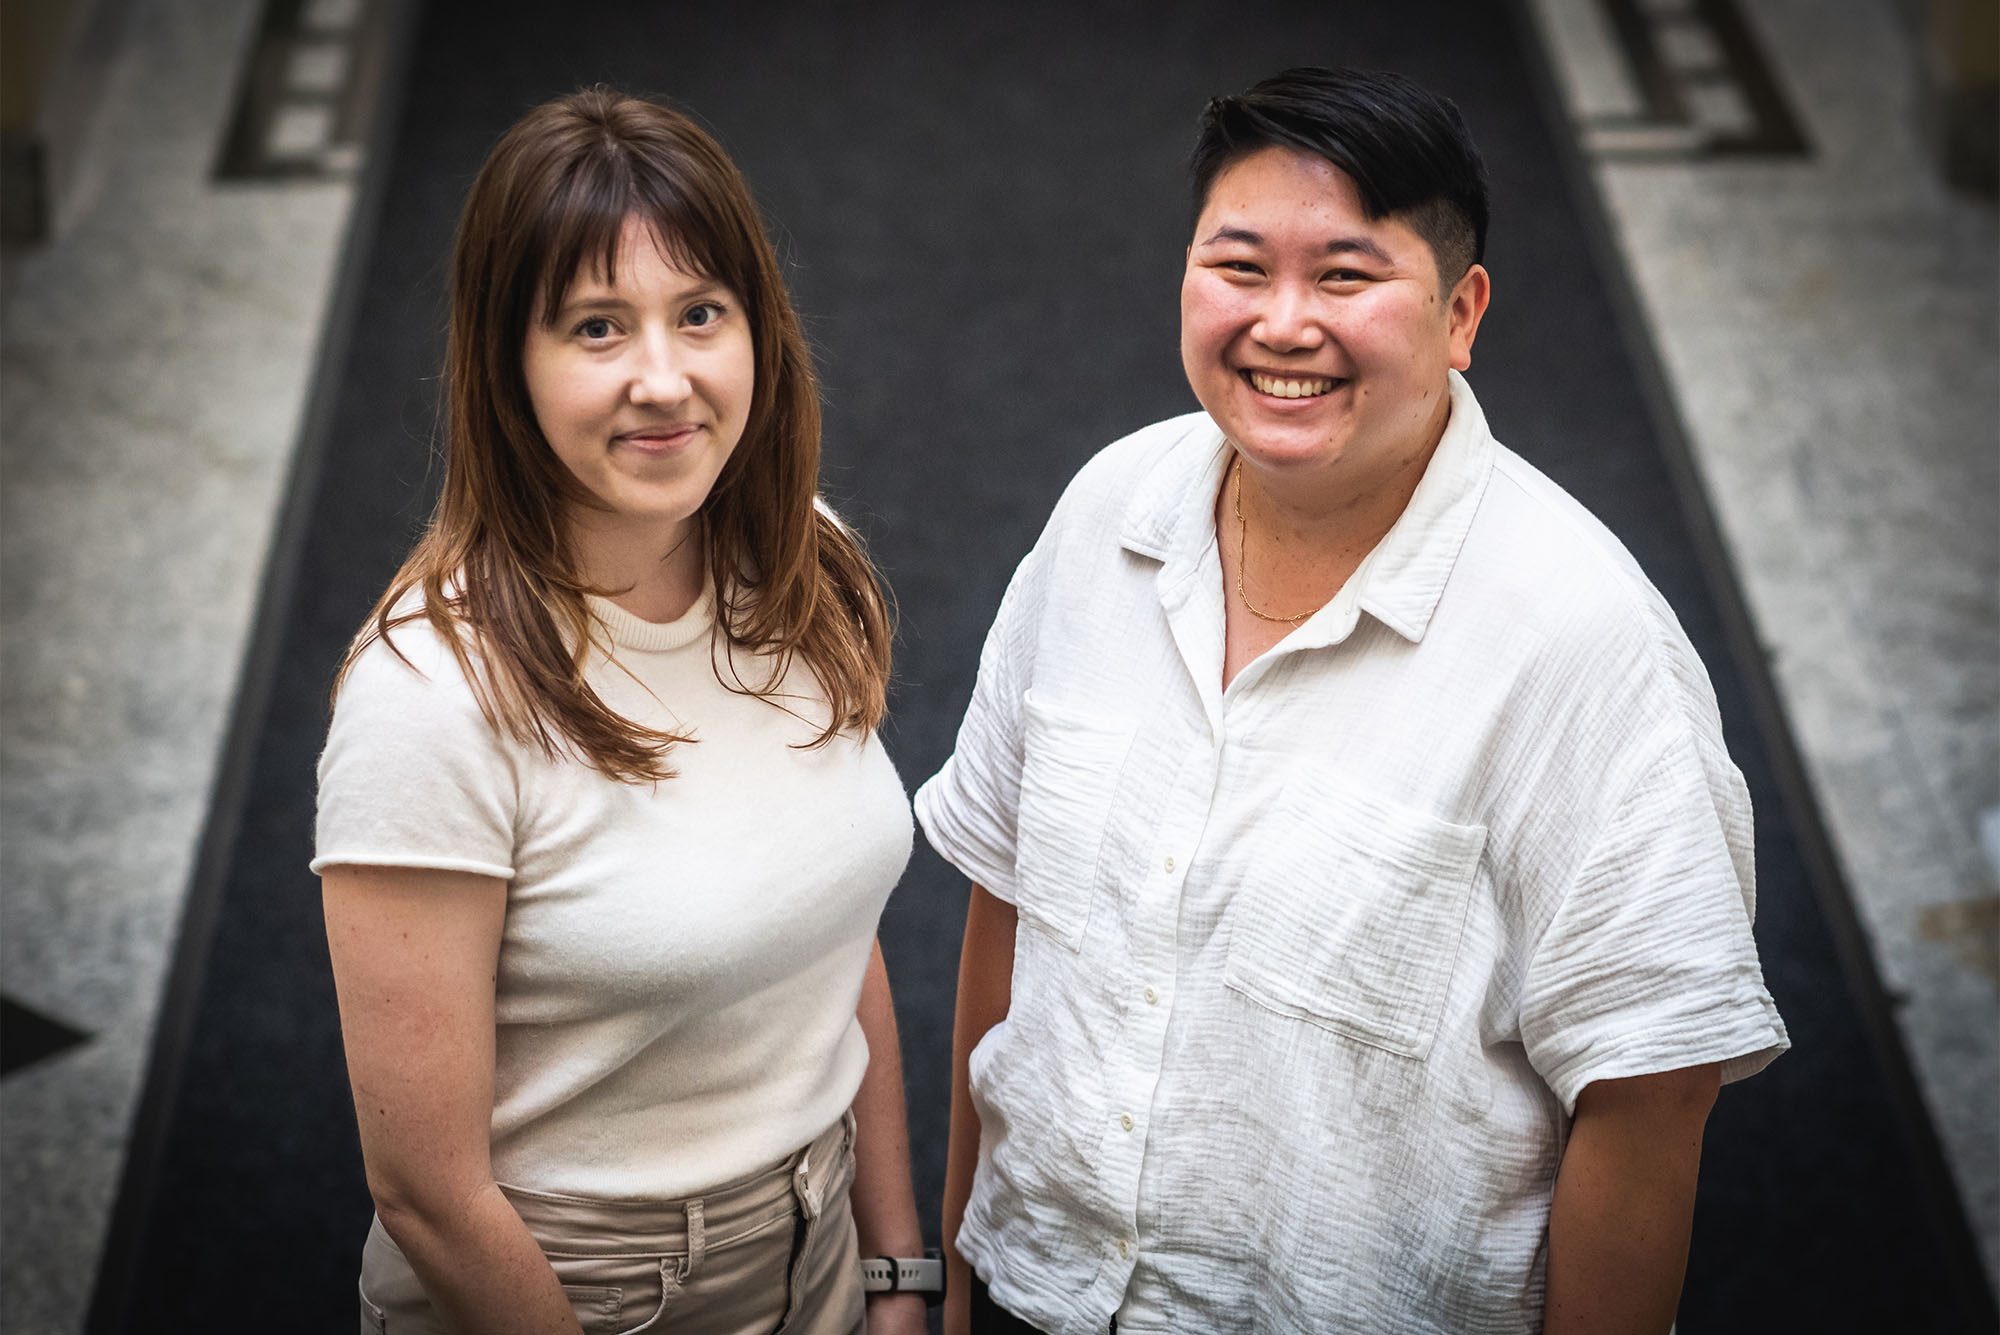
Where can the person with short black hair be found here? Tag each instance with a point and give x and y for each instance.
(1360, 929)
(1426, 171)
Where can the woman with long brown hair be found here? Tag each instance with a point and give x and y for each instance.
(604, 826)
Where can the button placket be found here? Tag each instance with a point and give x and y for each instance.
(1182, 802)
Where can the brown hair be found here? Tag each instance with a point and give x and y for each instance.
(494, 564)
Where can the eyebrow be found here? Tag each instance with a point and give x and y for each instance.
(594, 294)
(574, 306)
(1247, 237)
(589, 298)
(1339, 245)
(1359, 244)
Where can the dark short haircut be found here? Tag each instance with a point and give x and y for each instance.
(1405, 147)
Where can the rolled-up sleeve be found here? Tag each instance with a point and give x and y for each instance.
(1648, 963)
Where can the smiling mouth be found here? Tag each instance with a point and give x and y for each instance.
(657, 437)
(1291, 387)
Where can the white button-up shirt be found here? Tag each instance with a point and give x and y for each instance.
(1310, 971)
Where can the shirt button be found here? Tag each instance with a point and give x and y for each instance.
(1124, 1249)
(1152, 997)
(1125, 1120)
(1170, 862)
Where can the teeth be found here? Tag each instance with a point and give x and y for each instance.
(1290, 389)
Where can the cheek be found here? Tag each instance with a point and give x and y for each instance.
(537, 376)
(545, 400)
(743, 382)
(569, 395)
(1389, 333)
(1208, 319)
(1363, 318)
(564, 406)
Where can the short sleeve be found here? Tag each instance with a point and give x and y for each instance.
(1648, 963)
(413, 775)
(970, 808)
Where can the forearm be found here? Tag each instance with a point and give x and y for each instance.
(480, 1267)
(1624, 1205)
(885, 1204)
(961, 1160)
(985, 994)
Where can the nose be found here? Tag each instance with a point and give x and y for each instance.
(659, 370)
(1289, 321)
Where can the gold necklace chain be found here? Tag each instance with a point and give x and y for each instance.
(1243, 555)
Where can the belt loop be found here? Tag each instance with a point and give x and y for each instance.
(804, 1186)
(697, 1229)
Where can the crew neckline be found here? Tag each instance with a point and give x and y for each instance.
(630, 631)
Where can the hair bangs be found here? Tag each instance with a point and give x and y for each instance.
(586, 218)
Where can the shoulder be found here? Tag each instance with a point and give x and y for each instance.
(1127, 493)
(1589, 614)
(406, 721)
(1123, 487)
(1105, 487)
(408, 674)
(1535, 506)
(1540, 546)
(1081, 549)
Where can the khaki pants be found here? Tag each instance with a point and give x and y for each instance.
(772, 1252)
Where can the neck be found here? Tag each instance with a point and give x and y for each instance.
(654, 572)
(1337, 511)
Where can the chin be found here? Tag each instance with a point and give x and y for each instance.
(1285, 449)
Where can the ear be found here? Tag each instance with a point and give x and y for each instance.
(1463, 309)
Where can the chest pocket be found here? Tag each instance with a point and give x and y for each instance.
(1354, 916)
(1069, 777)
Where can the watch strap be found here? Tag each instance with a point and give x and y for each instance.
(904, 1274)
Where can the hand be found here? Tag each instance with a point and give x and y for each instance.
(896, 1314)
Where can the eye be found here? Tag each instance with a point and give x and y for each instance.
(594, 329)
(703, 314)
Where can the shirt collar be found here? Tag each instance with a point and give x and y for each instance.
(1171, 518)
(1169, 515)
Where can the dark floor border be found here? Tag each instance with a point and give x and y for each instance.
(1935, 1185)
(113, 1295)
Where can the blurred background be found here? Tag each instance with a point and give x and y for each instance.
(1746, 307)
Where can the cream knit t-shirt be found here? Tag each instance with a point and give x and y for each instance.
(681, 960)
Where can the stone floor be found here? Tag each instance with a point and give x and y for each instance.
(1827, 327)
(153, 367)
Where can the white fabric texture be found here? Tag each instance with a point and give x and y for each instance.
(1310, 971)
(681, 960)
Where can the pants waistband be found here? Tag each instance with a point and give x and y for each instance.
(596, 1226)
